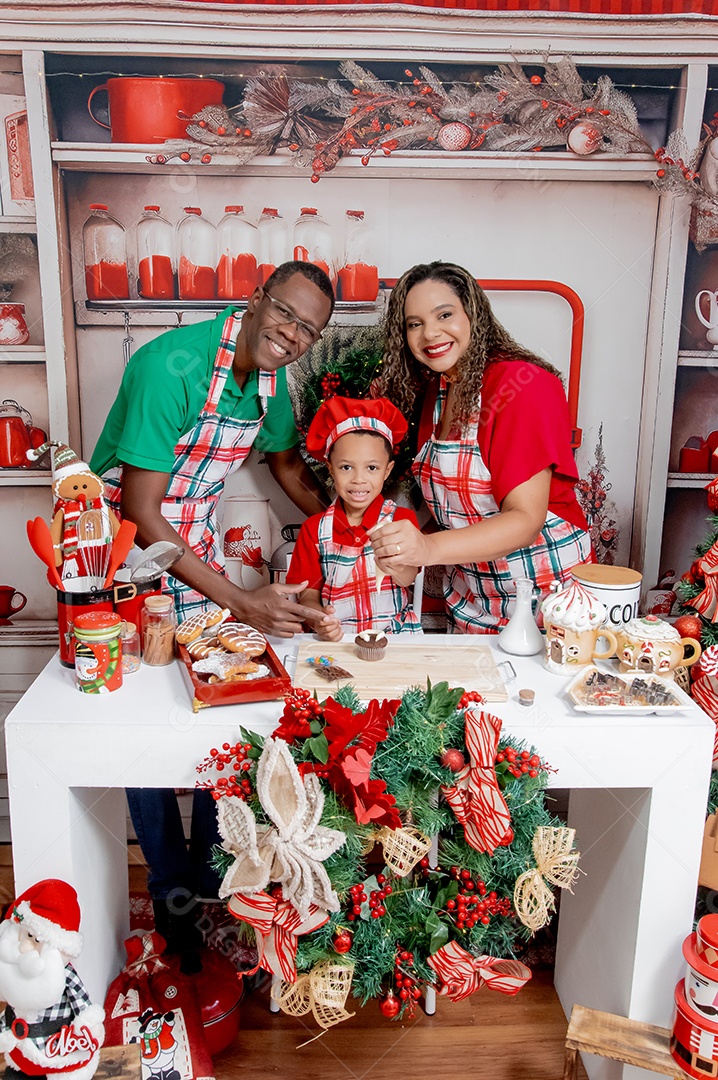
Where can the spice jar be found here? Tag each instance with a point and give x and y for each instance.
(130, 641)
(98, 652)
(159, 622)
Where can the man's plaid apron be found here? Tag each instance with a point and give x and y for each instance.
(456, 485)
(350, 583)
(204, 457)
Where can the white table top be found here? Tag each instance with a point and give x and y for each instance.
(148, 727)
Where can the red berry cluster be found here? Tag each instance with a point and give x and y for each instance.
(660, 155)
(330, 385)
(357, 897)
(519, 763)
(406, 978)
(474, 903)
(234, 757)
(300, 704)
(468, 697)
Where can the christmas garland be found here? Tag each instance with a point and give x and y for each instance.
(328, 855)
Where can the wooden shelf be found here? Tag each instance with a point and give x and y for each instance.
(705, 358)
(22, 354)
(132, 158)
(347, 306)
(689, 480)
(12, 224)
(24, 477)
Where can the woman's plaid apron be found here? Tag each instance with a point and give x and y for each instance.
(350, 583)
(204, 457)
(456, 485)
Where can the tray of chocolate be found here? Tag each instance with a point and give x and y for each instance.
(227, 662)
(596, 691)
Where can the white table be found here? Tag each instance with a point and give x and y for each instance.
(638, 796)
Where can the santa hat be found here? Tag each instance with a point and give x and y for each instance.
(65, 462)
(50, 912)
(339, 415)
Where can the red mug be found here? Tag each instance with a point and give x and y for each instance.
(8, 607)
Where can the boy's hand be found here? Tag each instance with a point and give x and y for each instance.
(329, 629)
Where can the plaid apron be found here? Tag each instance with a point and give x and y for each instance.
(350, 583)
(204, 457)
(456, 485)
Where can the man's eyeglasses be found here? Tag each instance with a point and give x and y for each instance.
(280, 313)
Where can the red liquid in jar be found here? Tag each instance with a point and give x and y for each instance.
(236, 277)
(157, 280)
(196, 282)
(358, 281)
(302, 255)
(107, 281)
(264, 272)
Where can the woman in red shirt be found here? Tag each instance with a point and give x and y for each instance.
(494, 455)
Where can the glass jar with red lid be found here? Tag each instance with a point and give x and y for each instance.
(273, 242)
(155, 239)
(98, 652)
(197, 246)
(104, 245)
(238, 248)
(313, 241)
(358, 278)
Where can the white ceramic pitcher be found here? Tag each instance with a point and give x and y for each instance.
(711, 323)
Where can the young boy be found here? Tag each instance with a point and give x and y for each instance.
(356, 438)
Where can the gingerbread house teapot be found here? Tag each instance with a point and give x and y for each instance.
(651, 645)
(574, 621)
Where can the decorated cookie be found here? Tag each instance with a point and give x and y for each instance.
(239, 637)
(225, 665)
(203, 647)
(193, 627)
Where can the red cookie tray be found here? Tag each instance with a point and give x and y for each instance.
(205, 693)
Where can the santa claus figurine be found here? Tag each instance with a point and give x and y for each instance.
(49, 1026)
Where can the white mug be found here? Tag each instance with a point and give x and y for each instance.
(711, 323)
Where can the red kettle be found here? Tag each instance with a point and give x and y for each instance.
(17, 435)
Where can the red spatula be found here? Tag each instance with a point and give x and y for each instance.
(38, 533)
(120, 549)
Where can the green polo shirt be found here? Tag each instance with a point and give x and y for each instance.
(163, 391)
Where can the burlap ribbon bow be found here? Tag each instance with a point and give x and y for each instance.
(323, 991)
(475, 797)
(556, 863)
(462, 973)
(289, 852)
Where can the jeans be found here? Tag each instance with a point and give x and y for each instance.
(156, 817)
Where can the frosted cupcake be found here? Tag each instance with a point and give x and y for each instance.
(574, 620)
(371, 644)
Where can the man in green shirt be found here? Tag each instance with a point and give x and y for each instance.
(191, 405)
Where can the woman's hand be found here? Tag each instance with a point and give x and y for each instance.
(399, 543)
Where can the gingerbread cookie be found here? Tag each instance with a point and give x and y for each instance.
(192, 627)
(225, 665)
(239, 637)
(202, 647)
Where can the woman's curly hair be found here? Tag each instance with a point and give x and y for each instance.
(402, 378)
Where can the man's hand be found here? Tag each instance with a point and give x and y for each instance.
(274, 610)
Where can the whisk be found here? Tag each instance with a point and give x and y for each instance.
(94, 540)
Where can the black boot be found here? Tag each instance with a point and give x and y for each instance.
(176, 919)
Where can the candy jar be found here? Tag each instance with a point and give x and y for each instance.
(358, 278)
(131, 650)
(98, 652)
(158, 621)
(197, 245)
(312, 240)
(105, 251)
(273, 234)
(521, 636)
(155, 256)
(238, 247)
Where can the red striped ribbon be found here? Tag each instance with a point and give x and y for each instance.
(475, 796)
(277, 926)
(462, 974)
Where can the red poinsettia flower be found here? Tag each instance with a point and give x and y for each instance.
(343, 727)
(292, 729)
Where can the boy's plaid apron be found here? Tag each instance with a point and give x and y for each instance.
(456, 485)
(350, 583)
(204, 457)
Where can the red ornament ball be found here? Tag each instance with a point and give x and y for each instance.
(453, 759)
(454, 136)
(342, 941)
(584, 138)
(689, 626)
(390, 1005)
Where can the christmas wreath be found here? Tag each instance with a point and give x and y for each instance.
(386, 848)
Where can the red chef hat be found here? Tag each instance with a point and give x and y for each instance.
(338, 415)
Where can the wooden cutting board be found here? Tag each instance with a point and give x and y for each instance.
(405, 664)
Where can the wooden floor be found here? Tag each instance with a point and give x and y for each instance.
(488, 1035)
